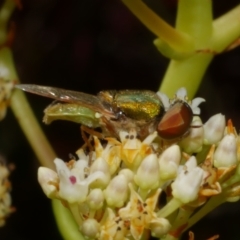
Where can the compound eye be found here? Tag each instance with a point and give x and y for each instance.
(176, 121)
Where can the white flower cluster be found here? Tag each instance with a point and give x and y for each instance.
(113, 192)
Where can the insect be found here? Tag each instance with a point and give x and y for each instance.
(114, 111)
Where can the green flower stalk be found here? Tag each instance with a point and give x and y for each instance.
(192, 44)
(18, 102)
(22, 109)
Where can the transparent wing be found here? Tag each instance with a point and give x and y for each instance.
(63, 95)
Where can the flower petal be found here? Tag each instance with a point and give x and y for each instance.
(181, 93)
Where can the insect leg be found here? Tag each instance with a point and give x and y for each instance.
(87, 140)
(91, 132)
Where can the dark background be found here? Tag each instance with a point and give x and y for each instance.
(91, 45)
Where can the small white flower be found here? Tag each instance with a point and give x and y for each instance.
(130, 140)
(113, 227)
(128, 174)
(169, 162)
(214, 129)
(95, 199)
(100, 166)
(226, 153)
(181, 94)
(110, 153)
(73, 183)
(116, 192)
(90, 228)
(188, 182)
(132, 150)
(147, 176)
(141, 215)
(193, 142)
(159, 227)
(48, 179)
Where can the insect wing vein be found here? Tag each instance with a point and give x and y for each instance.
(83, 99)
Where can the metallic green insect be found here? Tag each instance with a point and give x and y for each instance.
(112, 111)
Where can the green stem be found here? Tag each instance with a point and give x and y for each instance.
(209, 39)
(73, 207)
(194, 23)
(24, 114)
(171, 206)
(19, 104)
(187, 73)
(6, 11)
(31, 129)
(194, 17)
(66, 224)
(231, 181)
(226, 29)
(39, 143)
(169, 237)
(178, 40)
(212, 203)
(201, 156)
(181, 221)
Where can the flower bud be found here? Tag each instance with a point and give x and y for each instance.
(95, 199)
(169, 162)
(193, 142)
(187, 184)
(127, 173)
(159, 227)
(214, 129)
(100, 165)
(48, 179)
(117, 191)
(226, 152)
(110, 153)
(147, 176)
(90, 228)
(191, 163)
(81, 154)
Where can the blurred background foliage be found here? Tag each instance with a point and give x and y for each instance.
(88, 46)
